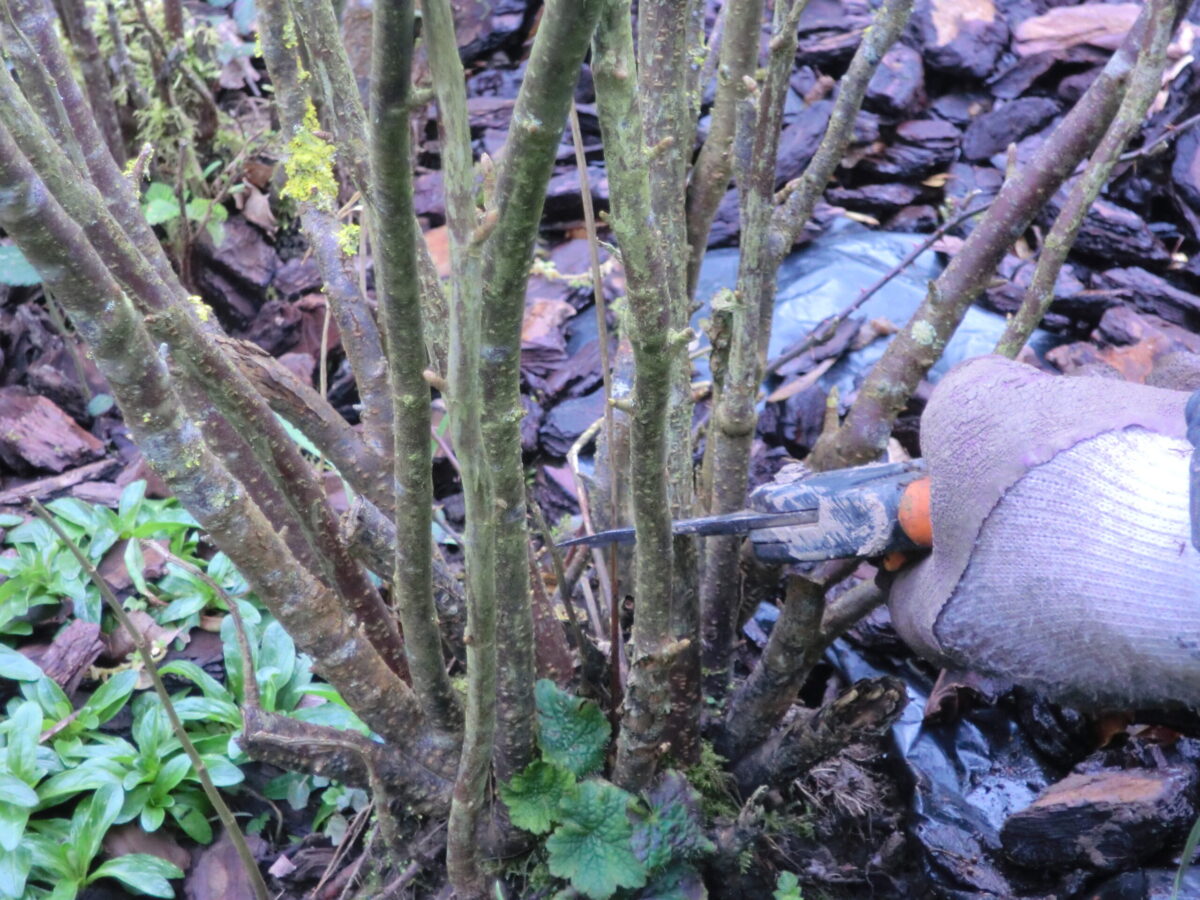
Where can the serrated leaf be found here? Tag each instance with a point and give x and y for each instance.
(534, 794)
(787, 887)
(680, 882)
(672, 831)
(572, 732)
(591, 847)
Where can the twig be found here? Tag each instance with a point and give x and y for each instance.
(589, 218)
(560, 574)
(586, 514)
(56, 316)
(250, 695)
(1143, 85)
(824, 330)
(918, 346)
(1170, 134)
(139, 640)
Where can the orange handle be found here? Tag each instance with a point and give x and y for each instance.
(914, 515)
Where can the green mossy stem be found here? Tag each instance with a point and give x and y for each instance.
(397, 288)
(668, 72)
(54, 76)
(767, 235)
(467, 352)
(643, 737)
(172, 444)
(175, 324)
(714, 166)
(356, 326)
(538, 117)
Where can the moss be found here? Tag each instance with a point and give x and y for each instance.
(714, 783)
(309, 165)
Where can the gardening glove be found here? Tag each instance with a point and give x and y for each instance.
(1062, 554)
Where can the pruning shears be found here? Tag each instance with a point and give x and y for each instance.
(866, 512)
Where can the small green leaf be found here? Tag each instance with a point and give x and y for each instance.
(87, 777)
(787, 887)
(174, 770)
(49, 696)
(222, 772)
(76, 512)
(15, 269)
(573, 732)
(100, 404)
(24, 727)
(159, 204)
(16, 666)
(14, 869)
(15, 791)
(591, 847)
(151, 818)
(131, 502)
(534, 794)
(13, 820)
(208, 685)
(111, 696)
(193, 822)
(92, 821)
(142, 872)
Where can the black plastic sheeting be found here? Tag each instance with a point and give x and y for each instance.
(822, 278)
(969, 775)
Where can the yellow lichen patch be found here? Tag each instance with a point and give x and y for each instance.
(203, 312)
(309, 165)
(347, 238)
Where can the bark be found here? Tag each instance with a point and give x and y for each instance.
(61, 252)
(862, 714)
(667, 83)
(95, 76)
(790, 653)
(52, 77)
(714, 166)
(767, 235)
(466, 414)
(207, 368)
(884, 393)
(368, 472)
(806, 628)
(540, 112)
(359, 333)
(648, 694)
(397, 287)
(1144, 84)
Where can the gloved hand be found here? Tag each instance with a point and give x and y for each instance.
(1062, 555)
